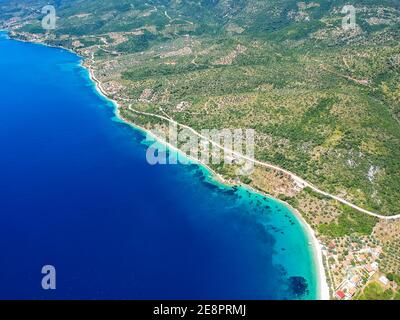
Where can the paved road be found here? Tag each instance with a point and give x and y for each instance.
(299, 180)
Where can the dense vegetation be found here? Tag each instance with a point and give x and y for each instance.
(349, 222)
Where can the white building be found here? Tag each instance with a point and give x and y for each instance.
(384, 280)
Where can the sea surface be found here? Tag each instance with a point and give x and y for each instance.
(77, 193)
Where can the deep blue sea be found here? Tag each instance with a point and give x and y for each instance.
(76, 192)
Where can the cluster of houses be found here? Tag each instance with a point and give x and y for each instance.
(352, 267)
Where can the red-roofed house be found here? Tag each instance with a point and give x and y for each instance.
(340, 294)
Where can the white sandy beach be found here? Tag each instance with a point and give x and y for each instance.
(323, 288)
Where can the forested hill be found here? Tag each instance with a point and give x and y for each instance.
(257, 17)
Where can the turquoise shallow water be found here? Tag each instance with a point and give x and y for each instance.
(77, 193)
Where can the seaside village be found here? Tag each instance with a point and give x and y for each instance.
(352, 264)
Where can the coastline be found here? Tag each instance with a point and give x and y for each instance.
(117, 106)
(322, 287)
